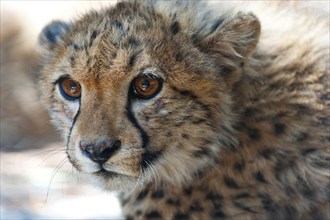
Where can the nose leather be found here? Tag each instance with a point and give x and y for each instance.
(100, 151)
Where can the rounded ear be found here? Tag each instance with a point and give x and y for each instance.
(51, 35)
(231, 43)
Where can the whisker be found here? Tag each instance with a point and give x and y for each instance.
(57, 168)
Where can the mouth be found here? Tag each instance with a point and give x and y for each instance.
(107, 174)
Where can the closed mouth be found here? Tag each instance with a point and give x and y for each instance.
(107, 174)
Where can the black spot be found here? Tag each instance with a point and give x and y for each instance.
(168, 134)
(133, 42)
(225, 71)
(188, 191)
(239, 166)
(307, 151)
(215, 199)
(149, 158)
(93, 36)
(158, 194)
(242, 195)
(242, 207)
(301, 137)
(266, 153)
(118, 24)
(175, 27)
(279, 128)
(153, 215)
(174, 202)
(196, 207)
(325, 121)
(185, 136)
(199, 121)
(178, 57)
(180, 215)
(138, 212)
(88, 61)
(266, 201)
(142, 195)
(260, 177)
(146, 118)
(230, 182)
(325, 97)
(290, 212)
(72, 59)
(218, 214)
(76, 47)
(304, 189)
(187, 93)
(289, 190)
(216, 24)
(132, 59)
(254, 134)
(201, 152)
(250, 112)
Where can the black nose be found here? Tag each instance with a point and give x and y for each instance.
(100, 151)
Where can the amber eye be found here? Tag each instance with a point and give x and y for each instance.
(70, 89)
(146, 87)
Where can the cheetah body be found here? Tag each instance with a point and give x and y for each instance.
(240, 128)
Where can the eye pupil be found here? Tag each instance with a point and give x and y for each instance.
(145, 84)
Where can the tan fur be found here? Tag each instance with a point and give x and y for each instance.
(240, 129)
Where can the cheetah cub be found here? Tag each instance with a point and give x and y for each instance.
(196, 111)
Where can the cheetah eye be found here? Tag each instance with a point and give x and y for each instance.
(70, 89)
(146, 86)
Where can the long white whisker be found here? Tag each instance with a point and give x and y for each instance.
(58, 167)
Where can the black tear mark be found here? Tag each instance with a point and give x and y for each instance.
(132, 119)
(73, 123)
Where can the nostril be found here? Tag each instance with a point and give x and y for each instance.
(116, 144)
(109, 150)
(101, 151)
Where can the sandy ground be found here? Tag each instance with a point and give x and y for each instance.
(41, 184)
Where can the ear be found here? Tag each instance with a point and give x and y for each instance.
(51, 35)
(231, 43)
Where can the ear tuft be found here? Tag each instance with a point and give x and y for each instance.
(52, 34)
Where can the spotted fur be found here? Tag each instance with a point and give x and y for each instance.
(240, 128)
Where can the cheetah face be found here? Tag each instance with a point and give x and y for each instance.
(135, 97)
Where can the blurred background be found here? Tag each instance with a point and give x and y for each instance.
(37, 182)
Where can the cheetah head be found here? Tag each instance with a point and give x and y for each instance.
(143, 94)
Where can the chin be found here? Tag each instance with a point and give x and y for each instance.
(111, 181)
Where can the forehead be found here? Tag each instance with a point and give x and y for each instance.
(117, 40)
